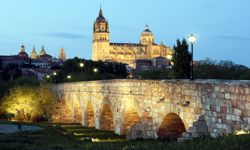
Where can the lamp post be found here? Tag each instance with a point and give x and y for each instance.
(95, 70)
(54, 80)
(170, 57)
(81, 65)
(192, 40)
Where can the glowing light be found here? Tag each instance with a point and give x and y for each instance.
(78, 134)
(54, 73)
(81, 65)
(69, 77)
(241, 132)
(95, 140)
(95, 70)
(47, 76)
(192, 38)
(169, 57)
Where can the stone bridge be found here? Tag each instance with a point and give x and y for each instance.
(157, 109)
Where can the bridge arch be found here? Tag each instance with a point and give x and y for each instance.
(89, 115)
(131, 118)
(131, 115)
(171, 126)
(106, 116)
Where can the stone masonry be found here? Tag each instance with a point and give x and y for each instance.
(152, 109)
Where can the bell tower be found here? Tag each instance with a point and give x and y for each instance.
(147, 37)
(100, 49)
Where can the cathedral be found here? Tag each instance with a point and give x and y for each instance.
(42, 54)
(128, 53)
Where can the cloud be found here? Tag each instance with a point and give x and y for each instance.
(65, 35)
(231, 37)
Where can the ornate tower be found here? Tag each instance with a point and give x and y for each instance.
(62, 54)
(33, 54)
(42, 52)
(100, 49)
(147, 37)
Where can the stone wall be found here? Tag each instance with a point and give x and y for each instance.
(141, 108)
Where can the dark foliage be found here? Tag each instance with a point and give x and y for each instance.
(181, 60)
(11, 72)
(106, 70)
(153, 74)
(211, 69)
(22, 81)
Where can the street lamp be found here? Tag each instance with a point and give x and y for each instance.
(81, 65)
(69, 77)
(95, 70)
(169, 57)
(54, 73)
(192, 40)
(47, 76)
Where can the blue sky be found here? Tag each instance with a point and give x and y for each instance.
(222, 26)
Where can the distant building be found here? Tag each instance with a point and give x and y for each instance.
(40, 64)
(43, 60)
(160, 62)
(44, 56)
(21, 58)
(13, 60)
(33, 54)
(22, 52)
(143, 64)
(127, 53)
(153, 64)
(62, 55)
(42, 52)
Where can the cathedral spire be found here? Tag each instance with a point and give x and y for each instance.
(100, 12)
(100, 17)
(62, 54)
(33, 54)
(42, 52)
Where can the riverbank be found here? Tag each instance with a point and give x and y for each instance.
(76, 137)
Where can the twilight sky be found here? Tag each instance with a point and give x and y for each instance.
(222, 26)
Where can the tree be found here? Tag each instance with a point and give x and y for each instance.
(224, 69)
(1, 65)
(181, 60)
(106, 70)
(28, 103)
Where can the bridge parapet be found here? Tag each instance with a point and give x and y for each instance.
(151, 109)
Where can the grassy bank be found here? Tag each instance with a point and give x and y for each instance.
(75, 137)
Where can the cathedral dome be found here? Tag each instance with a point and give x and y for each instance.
(147, 37)
(100, 18)
(22, 52)
(147, 31)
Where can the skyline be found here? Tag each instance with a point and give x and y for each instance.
(221, 27)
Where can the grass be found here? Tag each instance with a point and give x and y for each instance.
(71, 137)
(81, 133)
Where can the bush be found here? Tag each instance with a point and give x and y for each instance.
(28, 103)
